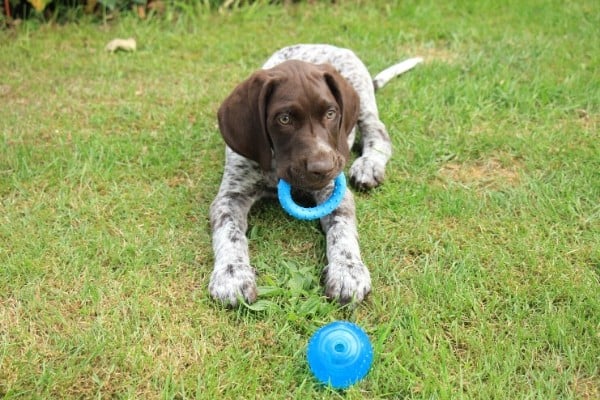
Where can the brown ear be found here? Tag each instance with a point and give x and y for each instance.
(242, 119)
(348, 101)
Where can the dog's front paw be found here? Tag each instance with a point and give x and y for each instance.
(231, 282)
(347, 281)
(366, 173)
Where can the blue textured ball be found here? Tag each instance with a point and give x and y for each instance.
(284, 191)
(340, 354)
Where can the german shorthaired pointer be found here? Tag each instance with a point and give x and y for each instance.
(295, 119)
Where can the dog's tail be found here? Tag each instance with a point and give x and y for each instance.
(390, 73)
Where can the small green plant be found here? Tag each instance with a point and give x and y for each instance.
(295, 291)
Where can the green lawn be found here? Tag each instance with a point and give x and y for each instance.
(484, 241)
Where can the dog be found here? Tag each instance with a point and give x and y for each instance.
(296, 119)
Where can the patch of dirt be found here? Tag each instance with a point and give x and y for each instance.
(588, 120)
(491, 173)
(433, 54)
(5, 90)
(586, 388)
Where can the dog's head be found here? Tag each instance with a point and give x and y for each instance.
(297, 114)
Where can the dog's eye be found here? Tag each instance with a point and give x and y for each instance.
(331, 114)
(284, 119)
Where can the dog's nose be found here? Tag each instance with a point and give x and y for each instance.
(320, 166)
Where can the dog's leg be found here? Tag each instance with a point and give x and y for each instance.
(368, 170)
(346, 278)
(233, 277)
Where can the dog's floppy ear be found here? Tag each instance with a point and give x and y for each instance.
(242, 118)
(348, 101)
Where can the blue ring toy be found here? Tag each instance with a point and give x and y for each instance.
(284, 191)
(340, 354)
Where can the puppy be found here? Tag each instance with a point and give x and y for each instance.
(296, 119)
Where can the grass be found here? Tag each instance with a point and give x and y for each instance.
(484, 241)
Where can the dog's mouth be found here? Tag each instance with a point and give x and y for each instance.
(300, 178)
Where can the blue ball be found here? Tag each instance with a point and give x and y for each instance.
(340, 354)
(284, 191)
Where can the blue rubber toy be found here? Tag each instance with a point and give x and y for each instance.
(340, 354)
(284, 191)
